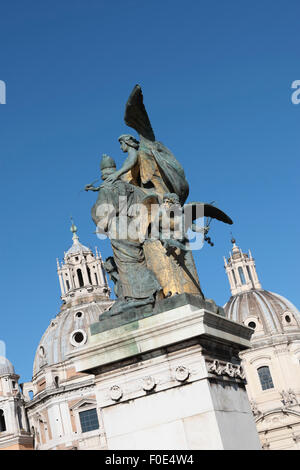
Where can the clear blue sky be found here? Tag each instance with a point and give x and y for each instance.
(216, 78)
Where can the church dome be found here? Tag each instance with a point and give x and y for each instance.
(68, 331)
(78, 248)
(6, 366)
(268, 311)
(85, 295)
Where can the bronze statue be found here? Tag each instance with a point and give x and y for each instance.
(147, 269)
(136, 284)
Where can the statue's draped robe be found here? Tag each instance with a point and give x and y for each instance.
(138, 282)
(157, 169)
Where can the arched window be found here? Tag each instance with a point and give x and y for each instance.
(68, 285)
(2, 421)
(242, 277)
(96, 277)
(249, 274)
(265, 377)
(89, 275)
(80, 278)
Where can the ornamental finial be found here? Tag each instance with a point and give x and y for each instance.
(74, 230)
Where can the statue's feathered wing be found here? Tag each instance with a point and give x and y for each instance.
(136, 115)
(200, 209)
(172, 172)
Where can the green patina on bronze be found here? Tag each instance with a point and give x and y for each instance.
(146, 273)
(130, 320)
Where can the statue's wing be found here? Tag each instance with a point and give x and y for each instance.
(195, 210)
(136, 115)
(215, 213)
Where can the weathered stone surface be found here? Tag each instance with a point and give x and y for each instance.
(195, 394)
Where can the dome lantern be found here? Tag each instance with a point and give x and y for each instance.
(81, 272)
(266, 312)
(241, 271)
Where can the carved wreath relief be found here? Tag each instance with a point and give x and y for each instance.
(116, 393)
(148, 383)
(181, 373)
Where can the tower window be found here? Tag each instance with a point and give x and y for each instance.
(68, 285)
(265, 378)
(249, 274)
(78, 314)
(287, 319)
(234, 278)
(89, 275)
(80, 278)
(242, 277)
(2, 421)
(96, 277)
(19, 413)
(252, 325)
(89, 420)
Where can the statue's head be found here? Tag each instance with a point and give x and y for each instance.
(126, 141)
(107, 166)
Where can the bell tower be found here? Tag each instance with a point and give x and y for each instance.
(81, 272)
(241, 271)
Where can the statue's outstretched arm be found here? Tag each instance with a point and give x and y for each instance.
(127, 165)
(90, 187)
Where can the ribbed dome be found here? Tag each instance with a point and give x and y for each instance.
(6, 366)
(274, 312)
(77, 247)
(66, 332)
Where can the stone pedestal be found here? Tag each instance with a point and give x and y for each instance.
(170, 381)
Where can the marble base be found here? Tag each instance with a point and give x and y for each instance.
(171, 381)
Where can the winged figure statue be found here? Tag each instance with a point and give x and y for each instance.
(149, 164)
(146, 269)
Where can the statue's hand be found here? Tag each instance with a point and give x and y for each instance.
(88, 187)
(112, 178)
